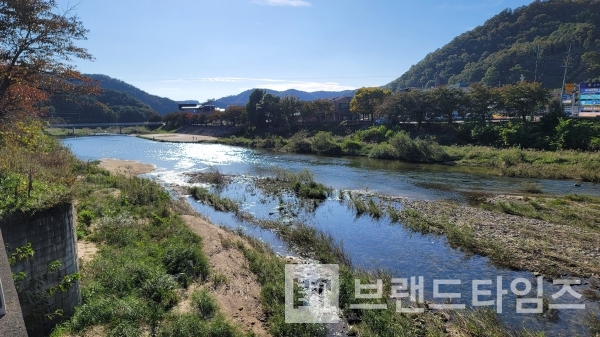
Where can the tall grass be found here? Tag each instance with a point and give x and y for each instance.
(214, 200)
(147, 255)
(515, 162)
(303, 184)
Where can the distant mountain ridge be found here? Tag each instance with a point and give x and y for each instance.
(530, 41)
(164, 105)
(242, 98)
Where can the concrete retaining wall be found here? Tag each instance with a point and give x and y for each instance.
(52, 236)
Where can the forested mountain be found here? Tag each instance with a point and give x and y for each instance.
(242, 98)
(532, 41)
(109, 106)
(161, 105)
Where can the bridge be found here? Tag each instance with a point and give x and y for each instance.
(103, 125)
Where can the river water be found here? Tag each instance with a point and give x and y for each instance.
(370, 243)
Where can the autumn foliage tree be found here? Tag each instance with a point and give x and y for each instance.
(37, 43)
(366, 100)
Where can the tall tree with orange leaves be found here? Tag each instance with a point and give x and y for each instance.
(37, 44)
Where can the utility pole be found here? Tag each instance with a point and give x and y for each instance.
(562, 89)
(537, 58)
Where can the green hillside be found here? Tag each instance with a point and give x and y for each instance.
(108, 106)
(161, 105)
(532, 41)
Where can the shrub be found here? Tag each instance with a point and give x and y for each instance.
(160, 290)
(186, 259)
(204, 305)
(382, 151)
(299, 143)
(323, 143)
(86, 217)
(486, 134)
(375, 134)
(511, 157)
(417, 150)
(575, 134)
(351, 146)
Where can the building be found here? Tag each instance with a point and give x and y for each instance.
(341, 109)
(200, 108)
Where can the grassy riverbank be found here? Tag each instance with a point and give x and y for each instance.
(383, 143)
(147, 257)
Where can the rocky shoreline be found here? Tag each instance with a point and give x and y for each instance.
(535, 245)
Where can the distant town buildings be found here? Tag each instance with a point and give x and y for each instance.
(199, 108)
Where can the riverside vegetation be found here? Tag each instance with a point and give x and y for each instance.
(561, 156)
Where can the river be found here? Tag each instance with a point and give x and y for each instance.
(370, 243)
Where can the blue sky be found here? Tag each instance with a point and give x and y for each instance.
(201, 49)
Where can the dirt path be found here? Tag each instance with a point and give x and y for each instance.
(239, 297)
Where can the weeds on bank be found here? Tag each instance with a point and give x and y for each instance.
(35, 177)
(572, 210)
(146, 253)
(515, 162)
(302, 184)
(214, 200)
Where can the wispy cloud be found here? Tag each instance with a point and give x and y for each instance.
(304, 86)
(292, 3)
(269, 83)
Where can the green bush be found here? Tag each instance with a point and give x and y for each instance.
(86, 217)
(186, 259)
(575, 134)
(323, 143)
(299, 143)
(374, 134)
(351, 146)
(382, 151)
(511, 157)
(486, 134)
(118, 230)
(417, 150)
(310, 190)
(204, 305)
(160, 290)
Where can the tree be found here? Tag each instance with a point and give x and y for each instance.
(523, 98)
(307, 111)
(366, 100)
(270, 109)
(446, 100)
(289, 109)
(417, 105)
(481, 100)
(395, 107)
(255, 118)
(405, 106)
(323, 108)
(235, 114)
(36, 45)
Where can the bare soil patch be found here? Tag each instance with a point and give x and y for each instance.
(86, 251)
(128, 168)
(239, 295)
